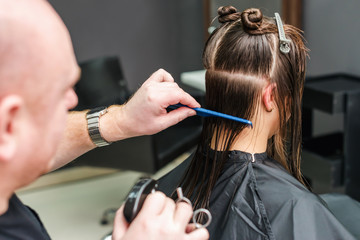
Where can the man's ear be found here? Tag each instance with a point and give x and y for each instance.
(268, 97)
(10, 107)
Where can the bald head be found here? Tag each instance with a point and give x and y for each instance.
(37, 72)
(33, 43)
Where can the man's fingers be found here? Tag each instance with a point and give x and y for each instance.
(199, 234)
(174, 93)
(169, 207)
(188, 100)
(120, 224)
(183, 213)
(180, 96)
(154, 204)
(176, 116)
(161, 76)
(190, 227)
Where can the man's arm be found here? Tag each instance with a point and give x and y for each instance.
(144, 114)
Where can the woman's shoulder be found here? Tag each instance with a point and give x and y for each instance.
(272, 177)
(292, 209)
(306, 216)
(279, 190)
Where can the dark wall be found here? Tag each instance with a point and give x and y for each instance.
(332, 29)
(146, 35)
(332, 32)
(268, 7)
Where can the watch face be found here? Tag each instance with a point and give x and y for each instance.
(94, 110)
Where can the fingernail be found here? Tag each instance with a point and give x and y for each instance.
(191, 113)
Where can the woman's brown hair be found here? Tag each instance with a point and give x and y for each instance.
(240, 56)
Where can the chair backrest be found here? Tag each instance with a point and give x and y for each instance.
(101, 84)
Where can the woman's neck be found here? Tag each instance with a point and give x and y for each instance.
(251, 140)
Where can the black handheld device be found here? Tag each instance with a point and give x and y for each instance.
(136, 197)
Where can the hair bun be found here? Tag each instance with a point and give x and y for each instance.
(251, 19)
(228, 14)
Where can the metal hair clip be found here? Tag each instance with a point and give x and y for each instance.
(284, 42)
(181, 198)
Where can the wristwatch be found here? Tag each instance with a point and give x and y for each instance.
(92, 118)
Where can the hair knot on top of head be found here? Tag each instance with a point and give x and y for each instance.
(251, 19)
(228, 14)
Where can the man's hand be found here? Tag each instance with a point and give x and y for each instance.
(145, 113)
(159, 219)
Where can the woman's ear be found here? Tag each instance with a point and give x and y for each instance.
(268, 97)
(9, 111)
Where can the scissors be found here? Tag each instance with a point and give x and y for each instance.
(145, 186)
(209, 113)
(181, 198)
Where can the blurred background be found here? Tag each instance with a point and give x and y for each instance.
(148, 35)
(138, 37)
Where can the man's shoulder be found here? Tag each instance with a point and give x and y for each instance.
(21, 222)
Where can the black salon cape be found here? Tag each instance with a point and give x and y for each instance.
(261, 200)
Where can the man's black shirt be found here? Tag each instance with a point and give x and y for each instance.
(21, 222)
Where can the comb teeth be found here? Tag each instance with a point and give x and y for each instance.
(209, 113)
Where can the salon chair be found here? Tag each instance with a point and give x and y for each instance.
(331, 162)
(102, 83)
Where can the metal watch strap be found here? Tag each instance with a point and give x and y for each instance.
(93, 119)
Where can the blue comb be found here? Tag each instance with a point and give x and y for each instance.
(209, 113)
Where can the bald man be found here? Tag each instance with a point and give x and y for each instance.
(38, 70)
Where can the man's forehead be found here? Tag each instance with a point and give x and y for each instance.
(37, 41)
(25, 9)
